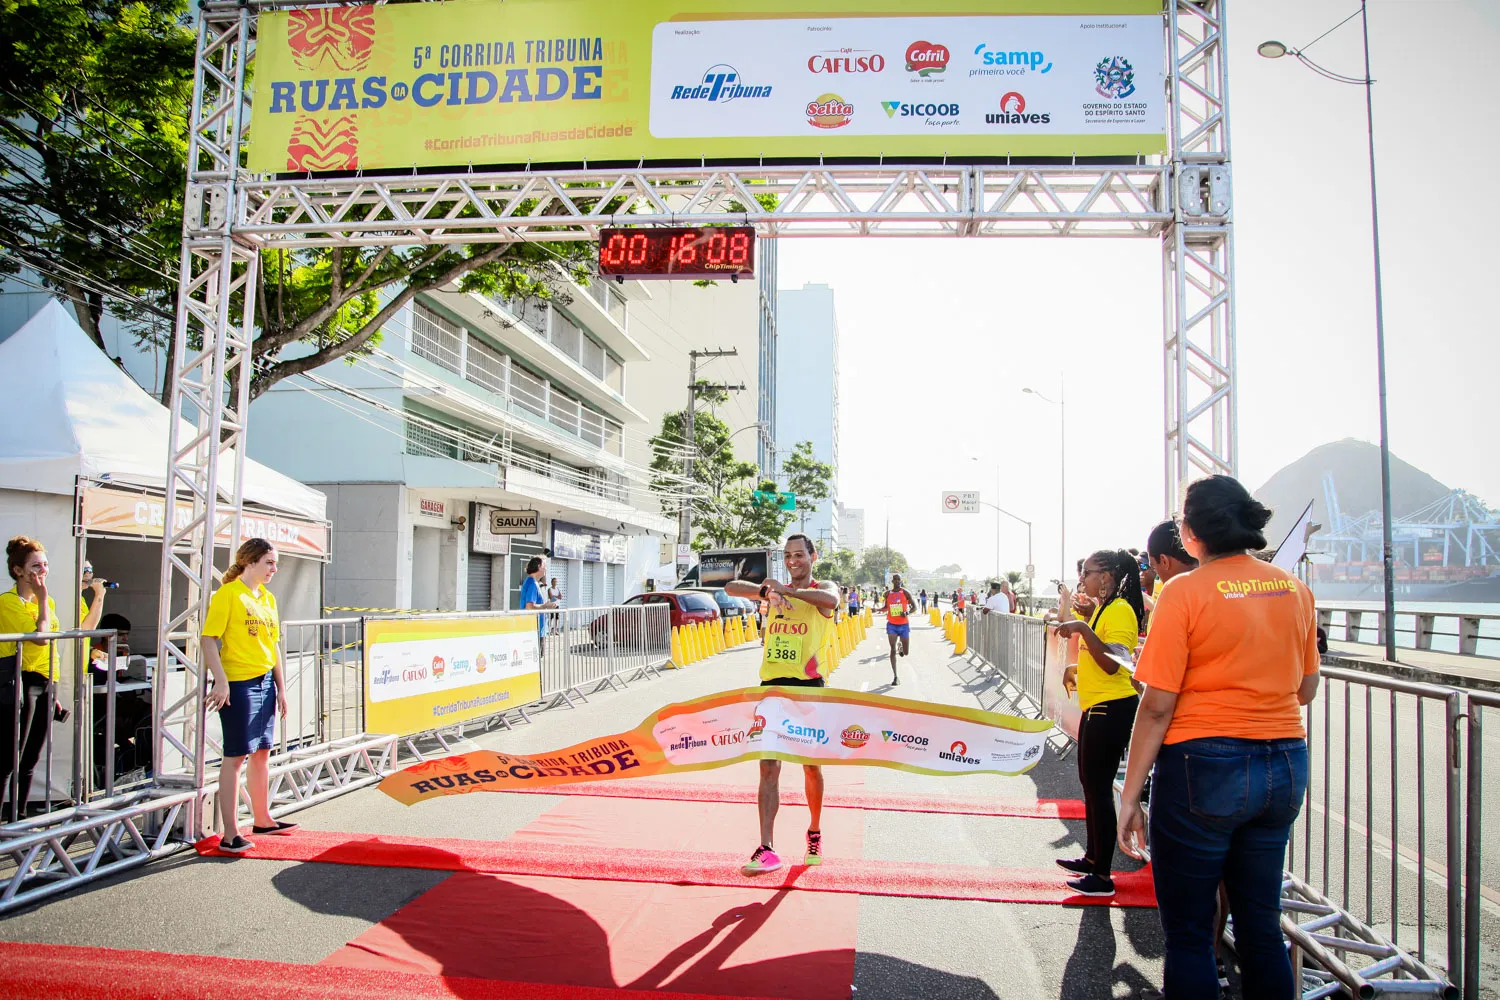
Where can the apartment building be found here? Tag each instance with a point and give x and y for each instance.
(807, 389)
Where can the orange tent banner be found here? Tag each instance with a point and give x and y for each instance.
(794, 724)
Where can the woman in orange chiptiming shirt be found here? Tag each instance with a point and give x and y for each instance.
(1231, 660)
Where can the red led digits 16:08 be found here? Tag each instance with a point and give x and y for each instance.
(680, 251)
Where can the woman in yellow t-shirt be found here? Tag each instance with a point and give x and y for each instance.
(1106, 694)
(26, 607)
(243, 655)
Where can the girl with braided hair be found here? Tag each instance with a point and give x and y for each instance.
(1107, 696)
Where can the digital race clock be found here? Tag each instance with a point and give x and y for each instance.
(678, 252)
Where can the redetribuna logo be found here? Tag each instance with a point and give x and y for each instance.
(958, 753)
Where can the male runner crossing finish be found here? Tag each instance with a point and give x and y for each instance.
(898, 608)
(801, 615)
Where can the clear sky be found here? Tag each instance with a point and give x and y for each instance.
(938, 337)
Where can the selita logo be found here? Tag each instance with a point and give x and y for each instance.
(959, 754)
(926, 58)
(1013, 112)
(829, 111)
(854, 737)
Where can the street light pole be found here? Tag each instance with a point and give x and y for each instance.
(1061, 402)
(1275, 50)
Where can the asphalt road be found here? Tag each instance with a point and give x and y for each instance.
(905, 947)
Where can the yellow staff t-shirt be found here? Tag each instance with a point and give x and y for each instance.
(794, 638)
(20, 615)
(247, 627)
(1114, 623)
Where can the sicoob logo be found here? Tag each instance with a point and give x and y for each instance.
(891, 736)
(1013, 112)
(929, 111)
(926, 58)
(829, 111)
(720, 83)
(958, 753)
(854, 737)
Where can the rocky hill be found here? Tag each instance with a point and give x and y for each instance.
(1355, 466)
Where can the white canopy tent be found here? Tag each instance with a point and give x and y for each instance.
(78, 428)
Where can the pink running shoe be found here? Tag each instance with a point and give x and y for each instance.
(763, 860)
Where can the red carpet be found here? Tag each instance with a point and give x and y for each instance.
(63, 972)
(878, 878)
(700, 939)
(960, 805)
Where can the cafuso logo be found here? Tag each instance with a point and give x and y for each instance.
(783, 627)
(958, 753)
(414, 674)
(854, 737)
(829, 111)
(891, 736)
(846, 61)
(728, 739)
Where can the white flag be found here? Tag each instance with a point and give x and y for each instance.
(1294, 546)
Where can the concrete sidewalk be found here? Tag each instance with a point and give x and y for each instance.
(906, 948)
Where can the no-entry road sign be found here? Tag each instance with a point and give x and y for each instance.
(960, 501)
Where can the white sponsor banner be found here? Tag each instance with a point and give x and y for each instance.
(847, 733)
(901, 76)
(402, 669)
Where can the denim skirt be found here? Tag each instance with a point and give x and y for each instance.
(249, 720)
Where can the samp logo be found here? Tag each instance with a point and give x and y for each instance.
(854, 737)
(927, 59)
(829, 111)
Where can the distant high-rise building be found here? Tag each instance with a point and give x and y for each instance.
(806, 400)
(852, 529)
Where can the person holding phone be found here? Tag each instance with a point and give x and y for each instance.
(26, 607)
(1107, 640)
(242, 651)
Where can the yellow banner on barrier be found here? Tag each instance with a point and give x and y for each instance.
(795, 724)
(522, 81)
(423, 674)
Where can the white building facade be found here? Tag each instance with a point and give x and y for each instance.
(471, 406)
(807, 390)
(852, 529)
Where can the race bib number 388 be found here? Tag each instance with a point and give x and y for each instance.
(784, 649)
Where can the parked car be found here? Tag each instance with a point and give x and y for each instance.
(686, 607)
(728, 606)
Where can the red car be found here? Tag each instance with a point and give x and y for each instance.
(685, 608)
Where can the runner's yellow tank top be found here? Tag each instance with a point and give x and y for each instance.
(794, 640)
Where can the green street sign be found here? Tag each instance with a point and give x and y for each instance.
(781, 501)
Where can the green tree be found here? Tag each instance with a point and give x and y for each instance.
(715, 468)
(947, 570)
(735, 521)
(93, 144)
(842, 567)
(876, 560)
(809, 478)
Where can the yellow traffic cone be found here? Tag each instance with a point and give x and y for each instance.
(961, 642)
(677, 650)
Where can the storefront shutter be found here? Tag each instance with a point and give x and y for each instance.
(481, 570)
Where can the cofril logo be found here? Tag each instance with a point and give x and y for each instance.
(926, 58)
(720, 83)
(1114, 78)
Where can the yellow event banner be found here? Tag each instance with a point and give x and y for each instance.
(795, 724)
(421, 674)
(480, 82)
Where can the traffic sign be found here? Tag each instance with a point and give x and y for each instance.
(781, 501)
(960, 501)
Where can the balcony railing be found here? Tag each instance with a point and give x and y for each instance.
(523, 394)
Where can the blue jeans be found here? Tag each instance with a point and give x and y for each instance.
(1221, 810)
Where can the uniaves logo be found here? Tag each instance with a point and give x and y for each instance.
(854, 737)
(958, 753)
(828, 111)
(891, 736)
(1114, 78)
(1013, 112)
(1009, 62)
(720, 83)
(846, 61)
(927, 59)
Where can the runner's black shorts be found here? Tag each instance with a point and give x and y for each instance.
(795, 682)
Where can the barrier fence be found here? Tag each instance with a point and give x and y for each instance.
(1388, 888)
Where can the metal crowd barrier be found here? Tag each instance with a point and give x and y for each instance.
(1385, 889)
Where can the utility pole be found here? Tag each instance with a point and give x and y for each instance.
(685, 518)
